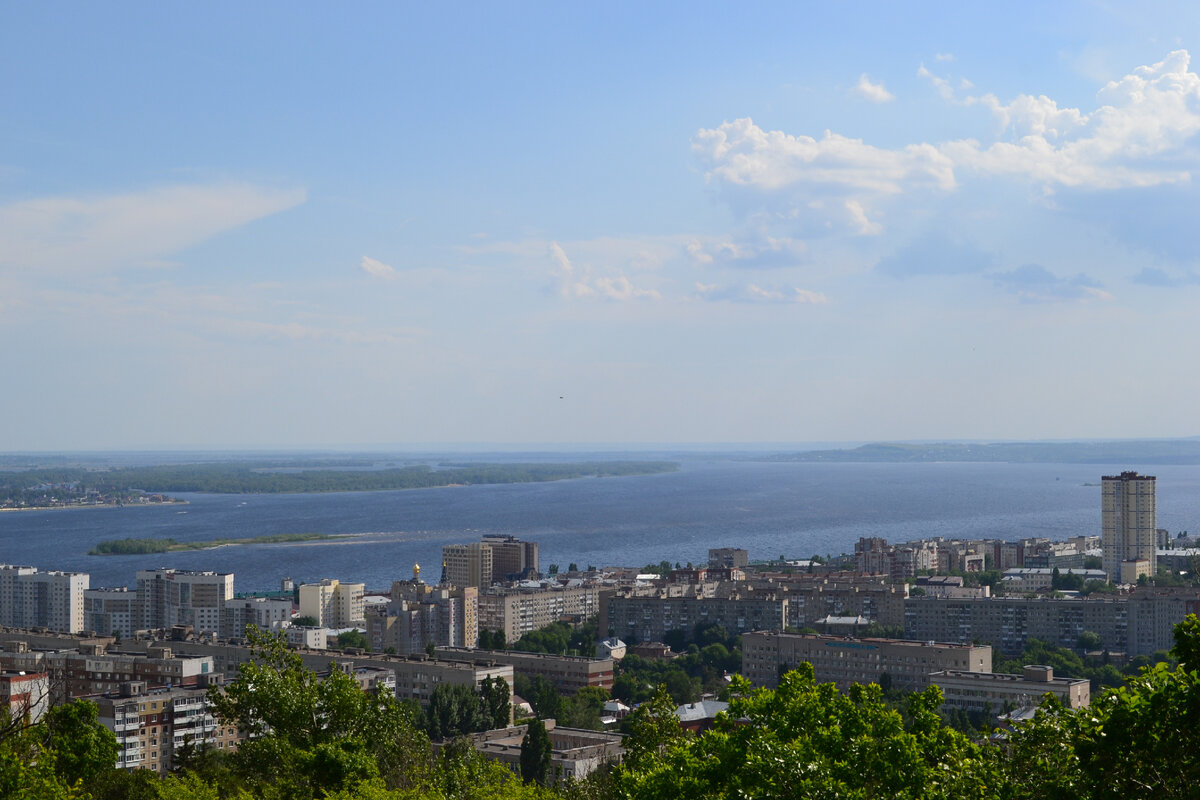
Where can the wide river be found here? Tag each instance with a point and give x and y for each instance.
(795, 510)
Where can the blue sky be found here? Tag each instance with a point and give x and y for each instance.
(296, 225)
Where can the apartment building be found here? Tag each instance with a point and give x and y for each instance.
(419, 615)
(512, 558)
(767, 655)
(153, 725)
(1138, 623)
(33, 599)
(333, 604)
(1128, 526)
(169, 597)
(110, 611)
(728, 558)
(25, 695)
(568, 674)
(267, 613)
(517, 611)
(647, 614)
(979, 691)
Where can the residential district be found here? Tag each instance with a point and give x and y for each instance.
(934, 612)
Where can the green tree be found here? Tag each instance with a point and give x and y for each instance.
(653, 729)
(806, 739)
(497, 701)
(353, 639)
(310, 735)
(535, 753)
(455, 710)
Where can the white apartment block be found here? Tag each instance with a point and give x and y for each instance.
(31, 599)
(333, 604)
(168, 597)
(976, 691)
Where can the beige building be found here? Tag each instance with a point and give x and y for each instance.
(518, 611)
(169, 597)
(267, 613)
(1128, 533)
(512, 558)
(638, 614)
(333, 604)
(569, 674)
(574, 753)
(977, 691)
(766, 656)
(419, 615)
(152, 725)
(467, 565)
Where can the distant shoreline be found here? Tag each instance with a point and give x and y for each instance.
(81, 506)
(142, 547)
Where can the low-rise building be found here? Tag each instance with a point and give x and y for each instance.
(568, 674)
(767, 655)
(25, 695)
(997, 692)
(574, 753)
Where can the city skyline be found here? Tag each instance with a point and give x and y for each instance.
(291, 226)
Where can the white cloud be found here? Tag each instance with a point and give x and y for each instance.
(1141, 134)
(78, 234)
(742, 154)
(754, 293)
(568, 284)
(875, 92)
(944, 57)
(620, 288)
(756, 249)
(377, 269)
(865, 226)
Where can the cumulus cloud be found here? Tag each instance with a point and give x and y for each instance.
(742, 154)
(96, 233)
(754, 293)
(377, 269)
(1140, 134)
(1035, 283)
(875, 92)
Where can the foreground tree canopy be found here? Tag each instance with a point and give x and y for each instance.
(324, 738)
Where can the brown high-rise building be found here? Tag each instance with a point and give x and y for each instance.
(1128, 526)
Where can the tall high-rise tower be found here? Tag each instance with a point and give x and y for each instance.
(1128, 526)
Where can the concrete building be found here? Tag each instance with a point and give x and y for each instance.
(767, 655)
(519, 610)
(419, 615)
(267, 613)
(33, 599)
(977, 691)
(25, 695)
(1138, 623)
(1128, 526)
(512, 558)
(728, 558)
(333, 604)
(648, 614)
(467, 565)
(153, 725)
(110, 611)
(569, 674)
(1040, 579)
(169, 597)
(574, 753)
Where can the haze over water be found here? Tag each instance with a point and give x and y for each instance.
(771, 509)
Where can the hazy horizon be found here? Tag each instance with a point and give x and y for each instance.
(293, 226)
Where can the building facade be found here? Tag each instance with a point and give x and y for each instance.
(419, 615)
(568, 674)
(33, 599)
(333, 604)
(517, 611)
(1128, 526)
(110, 611)
(980, 691)
(767, 655)
(169, 597)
